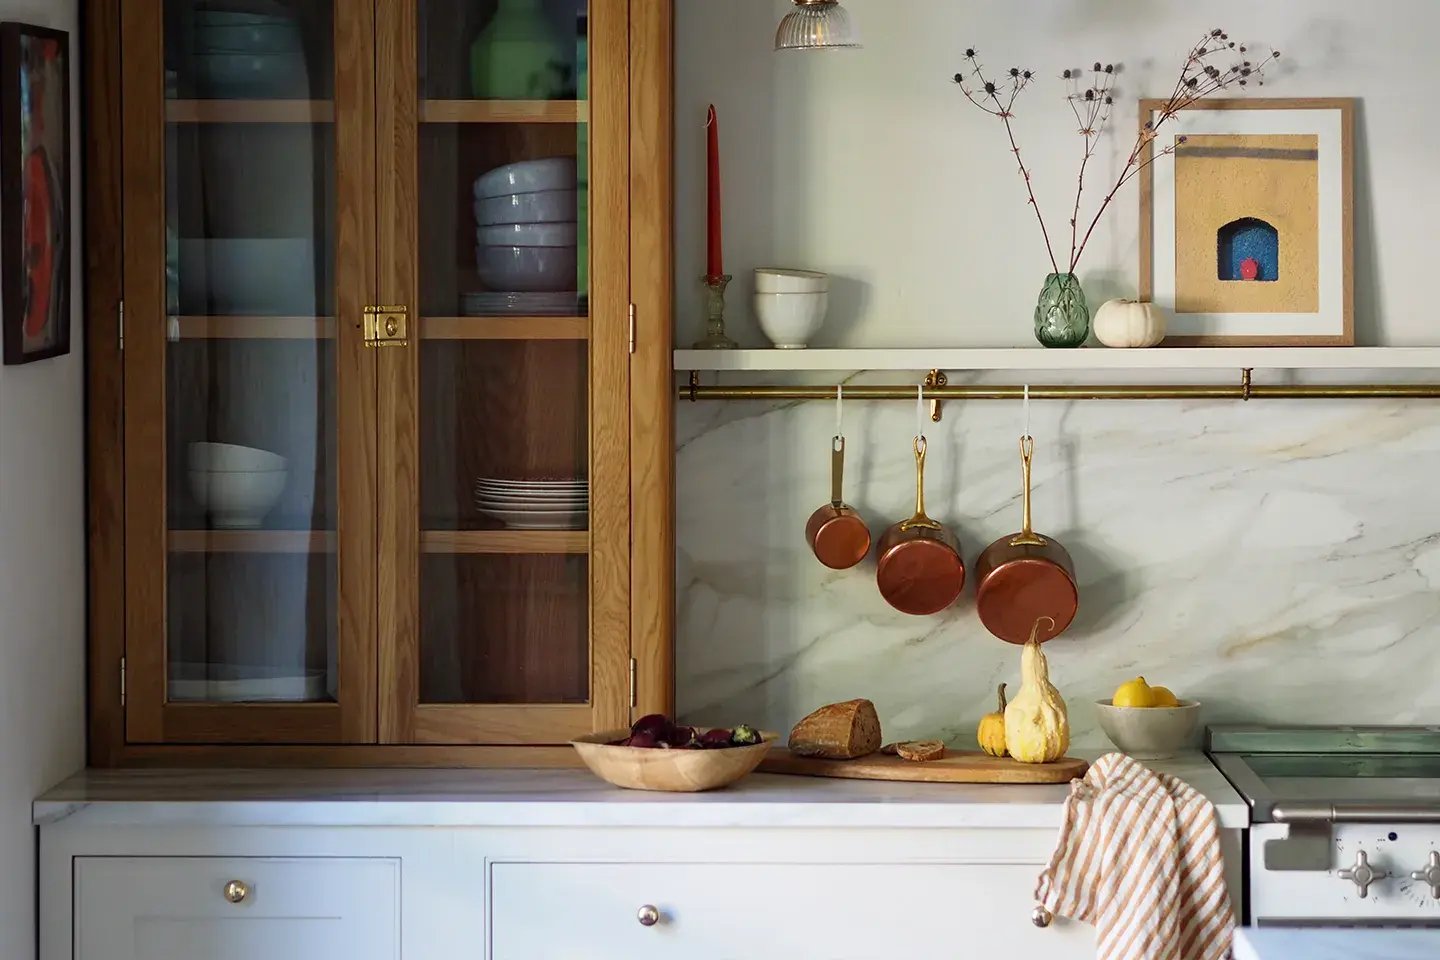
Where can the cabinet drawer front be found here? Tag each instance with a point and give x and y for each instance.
(757, 911)
(169, 908)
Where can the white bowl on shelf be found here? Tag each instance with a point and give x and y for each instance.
(527, 176)
(527, 269)
(237, 499)
(232, 458)
(243, 75)
(243, 38)
(547, 206)
(781, 280)
(791, 319)
(528, 235)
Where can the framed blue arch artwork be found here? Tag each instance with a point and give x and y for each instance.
(1246, 230)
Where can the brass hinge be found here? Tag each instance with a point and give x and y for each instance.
(632, 328)
(634, 700)
(121, 324)
(122, 681)
(387, 326)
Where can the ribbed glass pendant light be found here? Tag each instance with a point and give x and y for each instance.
(817, 25)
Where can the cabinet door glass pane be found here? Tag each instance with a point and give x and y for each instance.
(504, 358)
(250, 208)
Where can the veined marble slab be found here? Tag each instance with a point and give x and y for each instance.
(561, 798)
(1277, 560)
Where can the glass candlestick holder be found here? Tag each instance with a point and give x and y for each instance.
(715, 338)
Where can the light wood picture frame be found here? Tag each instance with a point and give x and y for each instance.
(1247, 232)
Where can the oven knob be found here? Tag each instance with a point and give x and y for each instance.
(1430, 875)
(1362, 874)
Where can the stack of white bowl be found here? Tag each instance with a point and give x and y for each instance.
(534, 504)
(790, 304)
(526, 239)
(236, 485)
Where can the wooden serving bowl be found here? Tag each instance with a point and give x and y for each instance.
(673, 771)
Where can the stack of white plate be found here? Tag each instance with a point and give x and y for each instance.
(535, 504)
(526, 238)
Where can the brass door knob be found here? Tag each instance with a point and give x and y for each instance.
(648, 915)
(1041, 917)
(236, 891)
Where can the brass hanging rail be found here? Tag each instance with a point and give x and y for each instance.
(1244, 390)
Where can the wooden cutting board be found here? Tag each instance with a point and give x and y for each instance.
(957, 766)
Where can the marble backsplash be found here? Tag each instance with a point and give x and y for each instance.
(1277, 560)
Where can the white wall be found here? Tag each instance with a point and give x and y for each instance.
(42, 563)
(871, 165)
(1276, 560)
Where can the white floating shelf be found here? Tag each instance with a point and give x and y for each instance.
(1084, 359)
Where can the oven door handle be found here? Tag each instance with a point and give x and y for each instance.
(1287, 812)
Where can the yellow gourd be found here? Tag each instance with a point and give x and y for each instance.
(991, 734)
(1037, 728)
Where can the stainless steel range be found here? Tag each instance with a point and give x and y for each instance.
(1346, 822)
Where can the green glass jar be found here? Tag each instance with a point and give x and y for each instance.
(1062, 317)
(518, 56)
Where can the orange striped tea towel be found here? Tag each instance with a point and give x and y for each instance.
(1139, 857)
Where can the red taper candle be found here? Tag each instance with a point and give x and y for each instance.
(715, 257)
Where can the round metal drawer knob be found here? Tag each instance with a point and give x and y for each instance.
(1041, 917)
(647, 915)
(236, 891)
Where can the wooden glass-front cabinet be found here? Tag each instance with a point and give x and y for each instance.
(377, 418)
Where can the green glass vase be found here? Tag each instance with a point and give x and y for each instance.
(518, 56)
(1062, 317)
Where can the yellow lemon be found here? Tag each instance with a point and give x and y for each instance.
(1134, 693)
(1163, 697)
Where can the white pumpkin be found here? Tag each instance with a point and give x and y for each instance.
(1129, 323)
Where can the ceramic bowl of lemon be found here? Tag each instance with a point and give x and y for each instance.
(1149, 723)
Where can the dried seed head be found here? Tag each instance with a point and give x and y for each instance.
(970, 52)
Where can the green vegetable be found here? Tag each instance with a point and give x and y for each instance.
(745, 735)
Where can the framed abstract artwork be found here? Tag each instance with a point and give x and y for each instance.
(35, 213)
(1246, 232)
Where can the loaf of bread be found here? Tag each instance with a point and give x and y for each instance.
(921, 750)
(839, 731)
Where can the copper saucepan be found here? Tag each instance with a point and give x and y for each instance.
(836, 532)
(1024, 578)
(920, 571)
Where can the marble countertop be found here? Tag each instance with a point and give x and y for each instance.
(512, 797)
(1273, 944)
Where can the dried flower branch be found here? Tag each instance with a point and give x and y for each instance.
(1091, 96)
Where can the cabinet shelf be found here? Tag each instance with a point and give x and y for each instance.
(253, 328)
(505, 328)
(1082, 360)
(249, 111)
(505, 541)
(504, 111)
(252, 541)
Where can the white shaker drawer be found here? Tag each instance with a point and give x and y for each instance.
(241, 908)
(709, 911)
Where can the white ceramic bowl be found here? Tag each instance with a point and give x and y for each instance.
(233, 458)
(1150, 733)
(547, 206)
(277, 37)
(527, 176)
(791, 319)
(237, 500)
(270, 276)
(527, 269)
(528, 235)
(779, 280)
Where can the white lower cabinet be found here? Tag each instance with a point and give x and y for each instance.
(240, 908)
(790, 911)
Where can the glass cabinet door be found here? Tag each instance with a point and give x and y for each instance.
(249, 501)
(504, 528)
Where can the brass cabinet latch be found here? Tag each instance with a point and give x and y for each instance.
(387, 326)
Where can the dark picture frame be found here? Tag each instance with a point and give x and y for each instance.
(35, 203)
